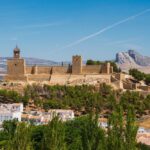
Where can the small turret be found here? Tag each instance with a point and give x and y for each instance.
(76, 64)
(16, 52)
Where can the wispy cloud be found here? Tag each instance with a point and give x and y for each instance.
(106, 28)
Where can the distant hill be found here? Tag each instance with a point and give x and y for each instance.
(133, 59)
(29, 62)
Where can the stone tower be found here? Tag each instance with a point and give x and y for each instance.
(106, 68)
(16, 67)
(76, 64)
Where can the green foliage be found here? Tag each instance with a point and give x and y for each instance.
(82, 133)
(143, 146)
(115, 67)
(86, 98)
(146, 102)
(136, 100)
(77, 97)
(93, 138)
(37, 136)
(92, 62)
(131, 130)
(10, 127)
(112, 63)
(147, 79)
(21, 139)
(122, 132)
(54, 136)
(9, 96)
(83, 99)
(140, 75)
(115, 139)
(137, 74)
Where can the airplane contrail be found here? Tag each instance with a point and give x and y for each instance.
(106, 29)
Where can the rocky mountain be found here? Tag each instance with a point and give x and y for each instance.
(29, 62)
(133, 59)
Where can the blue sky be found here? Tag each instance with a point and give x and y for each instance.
(58, 29)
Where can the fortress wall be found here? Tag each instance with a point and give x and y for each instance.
(15, 78)
(59, 79)
(130, 86)
(145, 88)
(39, 78)
(29, 70)
(91, 69)
(48, 69)
(60, 70)
(117, 85)
(127, 86)
(101, 78)
(88, 79)
(120, 76)
(44, 69)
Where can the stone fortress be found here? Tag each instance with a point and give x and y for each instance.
(75, 74)
(17, 70)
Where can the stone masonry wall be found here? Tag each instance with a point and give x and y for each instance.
(29, 70)
(60, 70)
(16, 67)
(91, 69)
(44, 70)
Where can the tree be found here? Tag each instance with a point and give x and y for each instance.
(131, 130)
(84, 133)
(37, 135)
(10, 127)
(93, 137)
(93, 62)
(147, 79)
(115, 139)
(21, 139)
(54, 136)
(137, 74)
(122, 132)
(115, 67)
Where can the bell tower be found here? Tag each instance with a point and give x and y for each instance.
(16, 52)
(16, 67)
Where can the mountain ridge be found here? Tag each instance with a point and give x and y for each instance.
(133, 59)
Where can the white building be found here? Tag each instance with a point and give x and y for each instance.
(103, 125)
(63, 114)
(10, 111)
(37, 117)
